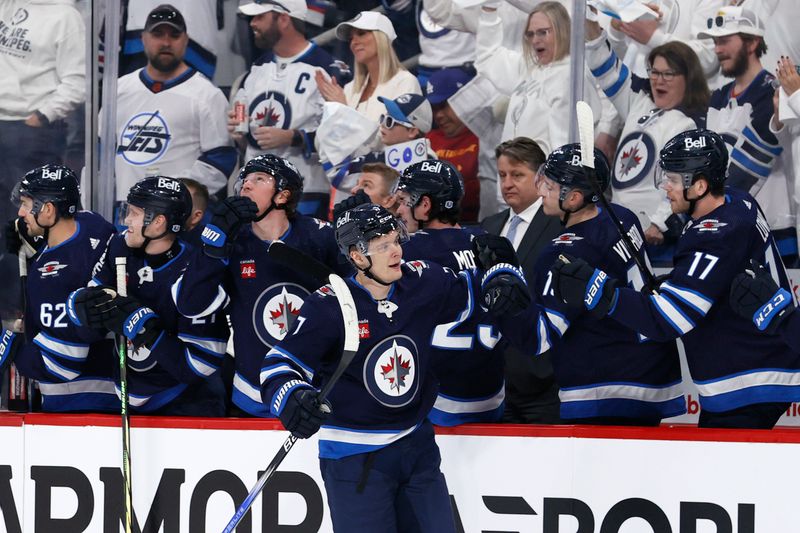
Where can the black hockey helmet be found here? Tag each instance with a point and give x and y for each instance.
(563, 166)
(438, 179)
(285, 173)
(52, 183)
(359, 225)
(161, 195)
(694, 153)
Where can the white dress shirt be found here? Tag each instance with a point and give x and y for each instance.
(527, 217)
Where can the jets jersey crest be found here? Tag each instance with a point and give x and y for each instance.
(275, 311)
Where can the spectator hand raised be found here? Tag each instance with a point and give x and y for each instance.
(329, 88)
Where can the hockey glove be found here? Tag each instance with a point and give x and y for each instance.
(504, 290)
(303, 414)
(135, 321)
(347, 204)
(755, 296)
(87, 306)
(9, 345)
(17, 238)
(491, 250)
(228, 217)
(581, 286)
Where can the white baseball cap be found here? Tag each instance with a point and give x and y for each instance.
(731, 20)
(294, 8)
(366, 20)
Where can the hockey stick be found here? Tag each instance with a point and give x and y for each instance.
(586, 134)
(303, 263)
(122, 290)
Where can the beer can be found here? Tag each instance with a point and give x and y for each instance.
(240, 114)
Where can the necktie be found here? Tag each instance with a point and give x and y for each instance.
(512, 229)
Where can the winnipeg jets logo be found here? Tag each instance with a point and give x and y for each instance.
(275, 311)
(710, 224)
(567, 238)
(416, 266)
(390, 371)
(144, 139)
(51, 268)
(635, 158)
(19, 17)
(269, 109)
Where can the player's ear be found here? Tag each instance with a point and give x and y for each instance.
(282, 197)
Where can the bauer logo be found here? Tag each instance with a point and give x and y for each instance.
(144, 139)
(595, 287)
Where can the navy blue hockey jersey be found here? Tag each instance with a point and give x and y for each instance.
(602, 368)
(731, 362)
(388, 389)
(468, 362)
(265, 297)
(74, 366)
(188, 351)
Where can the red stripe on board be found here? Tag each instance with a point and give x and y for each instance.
(665, 432)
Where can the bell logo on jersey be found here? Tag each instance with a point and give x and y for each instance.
(275, 311)
(692, 144)
(144, 139)
(247, 269)
(390, 371)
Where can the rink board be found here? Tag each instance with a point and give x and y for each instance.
(59, 471)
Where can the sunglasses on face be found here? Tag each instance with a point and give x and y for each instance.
(389, 122)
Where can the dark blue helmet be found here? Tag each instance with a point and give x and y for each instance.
(563, 166)
(285, 173)
(52, 183)
(437, 179)
(359, 225)
(693, 153)
(161, 195)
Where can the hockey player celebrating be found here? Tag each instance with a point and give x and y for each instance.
(73, 366)
(378, 456)
(591, 358)
(265, 297)
(174, 361)
(745, 380)
(471, 385)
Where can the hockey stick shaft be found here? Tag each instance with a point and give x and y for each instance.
(122, 290)
(586, 132)
(289, 256)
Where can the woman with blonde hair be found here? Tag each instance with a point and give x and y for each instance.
(536, 79)
(378, 71)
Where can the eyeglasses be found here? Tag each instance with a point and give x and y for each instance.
(538, 33)
(389, 122)
(666, 75)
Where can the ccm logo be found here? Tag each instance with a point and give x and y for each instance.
(776, 304)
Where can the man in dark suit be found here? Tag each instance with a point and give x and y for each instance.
(531, 391)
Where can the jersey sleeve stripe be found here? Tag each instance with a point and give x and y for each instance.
(623, 76)
(199, 366)
(558, 321)
(607, 65)
(672, 314)
(544, 336)
(281, 353)
(218, 303)
(215, 347)
(754, 138)
(693, 299)
(269, 372)
(741, 160)
(633, 391)
(67, 350)
(58, 370)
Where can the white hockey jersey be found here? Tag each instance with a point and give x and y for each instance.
(440, 46)
(646, 130)
(540, 105)
(176, 128)
(282, 93)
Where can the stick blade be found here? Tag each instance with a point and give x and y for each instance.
(585, 132)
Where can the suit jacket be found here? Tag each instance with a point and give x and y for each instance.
(531, 392)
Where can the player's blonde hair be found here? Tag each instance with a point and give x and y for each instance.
(388, 62)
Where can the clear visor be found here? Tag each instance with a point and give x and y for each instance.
(127, 216)
(396, 237)
(674, 180)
